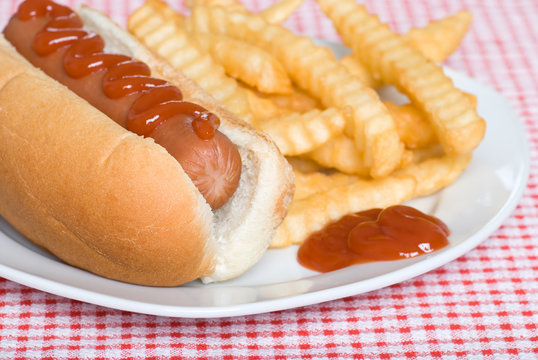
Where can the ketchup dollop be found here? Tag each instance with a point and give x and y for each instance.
(397, 232)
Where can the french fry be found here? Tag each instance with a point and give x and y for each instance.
(438, 39)
(297, 101)
(143, 20)
(355, 67)
(421, 154)
(264, 108)
(247, 63)
(472, 99)
(299, 133)
(304, 164)
(280, 11)
(456, 123)
(230, 5)
(311, 213)
(316, 70)
(169, 39)
(316, 182)
(269, 106)
(413, 128)
(340, 153)
(274, 14)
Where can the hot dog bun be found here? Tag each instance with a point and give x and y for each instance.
(111, 202)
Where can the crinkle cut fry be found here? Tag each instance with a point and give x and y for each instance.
(310, 183)
(436, 41)
(247, 63)
(231, 5)
(311, 213)
(156, 25)
(456, 122)
(299, 133)
(316, 70)
(280, 11)
(273, 14)
(440, 38)
(339, 153)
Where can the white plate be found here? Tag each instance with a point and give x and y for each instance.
(473, 207)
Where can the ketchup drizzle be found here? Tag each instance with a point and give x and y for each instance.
(158, 100)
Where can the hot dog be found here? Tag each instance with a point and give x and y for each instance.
(51, 37)
(110, 186)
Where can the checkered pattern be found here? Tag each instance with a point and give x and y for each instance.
(482, 305)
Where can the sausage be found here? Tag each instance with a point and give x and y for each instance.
(53, 40)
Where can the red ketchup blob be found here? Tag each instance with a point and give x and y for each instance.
(397, 232)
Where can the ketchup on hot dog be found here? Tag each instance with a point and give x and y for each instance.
(51, 37)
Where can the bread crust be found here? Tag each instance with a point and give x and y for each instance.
(106, 200)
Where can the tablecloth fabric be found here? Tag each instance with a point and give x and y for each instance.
(482, 305)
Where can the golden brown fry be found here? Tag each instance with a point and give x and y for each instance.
(303, 164)
(269, 106)
(310, 183)
(247, 63)
(438, 39)
(297, 101)
(229, 5)
(144, 12)
(419, 155)
(274, 14)
(414, 130)
(299, 133)
(355, 67)
(434, 174)
(280, 11)
(263, 108)
(144, 22)
(413, 127)
(315, 69)
(311, 213)
(472, 99)
(340, 153)
(456, 123)
(158, 28)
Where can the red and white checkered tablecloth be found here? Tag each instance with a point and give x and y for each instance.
(482, 305)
